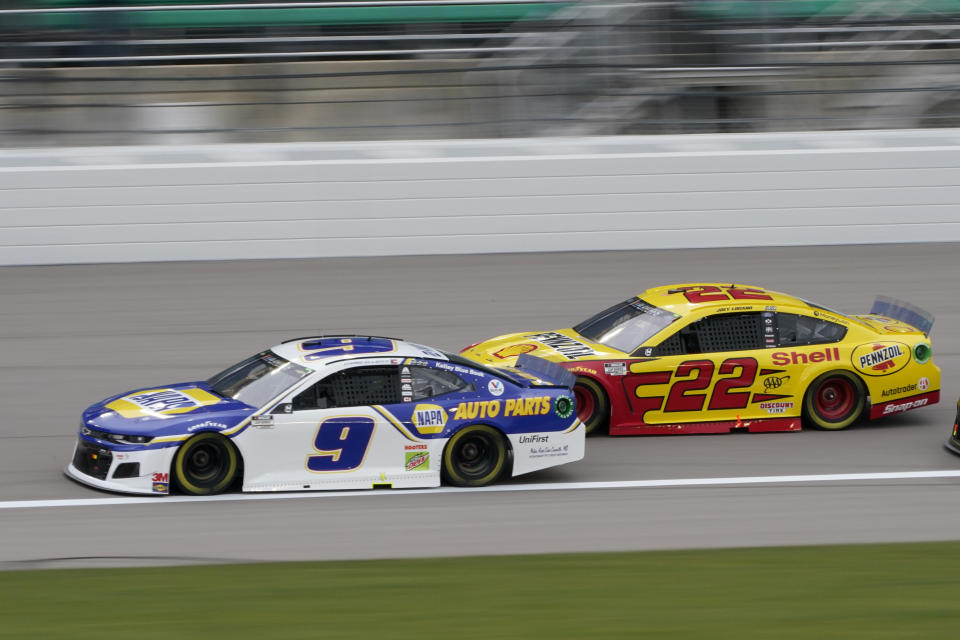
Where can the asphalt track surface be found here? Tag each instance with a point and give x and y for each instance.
(71, 335)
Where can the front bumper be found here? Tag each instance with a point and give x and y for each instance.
(144, 472)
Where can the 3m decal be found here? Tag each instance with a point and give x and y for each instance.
(567, 347)
(880, 358)
(697, 294)
(160, 403)
(341, 444)
(329, 347)
(784, 358)
(416, 460)
(429, 418)
(160, 482)
(514, 350)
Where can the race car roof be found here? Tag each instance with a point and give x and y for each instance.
(318, 349)
(696, 296)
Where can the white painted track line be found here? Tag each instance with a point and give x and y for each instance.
(560, 486)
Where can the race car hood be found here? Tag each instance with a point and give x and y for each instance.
(160, 411)
(561, 345)
(887, 326)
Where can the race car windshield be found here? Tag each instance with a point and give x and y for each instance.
(258, 379)
(627, 325)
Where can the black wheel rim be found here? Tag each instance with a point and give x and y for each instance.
(476, 455)
(206, 463)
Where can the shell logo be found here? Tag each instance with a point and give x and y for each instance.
(880, 358)
(429, 418)
(514, 350)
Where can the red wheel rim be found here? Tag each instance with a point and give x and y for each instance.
(586, 403)
(834, 399)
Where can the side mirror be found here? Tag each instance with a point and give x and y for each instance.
(283, 407)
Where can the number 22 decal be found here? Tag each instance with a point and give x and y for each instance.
(341, 443)
(684, 394)
(706, 293)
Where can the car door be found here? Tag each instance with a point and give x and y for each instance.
(709, 371)
(333, 434)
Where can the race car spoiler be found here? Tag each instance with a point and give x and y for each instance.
(904, 312)
(545, 370)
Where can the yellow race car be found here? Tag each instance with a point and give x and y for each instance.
(712, 358)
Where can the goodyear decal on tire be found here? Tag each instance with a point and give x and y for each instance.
(880, 358)
(429, 418)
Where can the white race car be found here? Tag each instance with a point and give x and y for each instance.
(333, 412)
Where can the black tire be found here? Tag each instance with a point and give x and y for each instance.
(593, 406)
(834, 400)
(206, 464)
(475, 456)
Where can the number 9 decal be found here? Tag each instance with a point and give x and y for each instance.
(341, 444)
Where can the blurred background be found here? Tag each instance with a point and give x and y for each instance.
(122, 72)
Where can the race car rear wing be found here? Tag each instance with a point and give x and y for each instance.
(904, 312)
(547, 371)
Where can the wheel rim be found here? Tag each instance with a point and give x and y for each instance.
(476, 456)
(586, 404)
(206, 463)
(834, 399)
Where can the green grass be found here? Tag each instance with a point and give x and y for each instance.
(870, 591)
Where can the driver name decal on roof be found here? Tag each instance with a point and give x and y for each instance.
(568, 347)
(162, 402)
(323, 348)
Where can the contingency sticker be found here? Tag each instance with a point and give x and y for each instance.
(416, 460)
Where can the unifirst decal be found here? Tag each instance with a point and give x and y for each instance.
(511, 408)
(429, 418)
(162, 402)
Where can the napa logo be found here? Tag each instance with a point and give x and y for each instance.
(162, 403)
(881, 358)
(429, 418)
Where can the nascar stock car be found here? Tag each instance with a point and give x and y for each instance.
(953, 444)
(712, 358)
(333, 412)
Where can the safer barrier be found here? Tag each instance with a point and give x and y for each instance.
(361, 199)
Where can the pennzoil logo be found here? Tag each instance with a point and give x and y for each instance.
(161, 403)
(429, 418)
(881, 358)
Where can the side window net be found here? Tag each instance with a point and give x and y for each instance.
(352, 388)
(672, 346)
(731, 332)
(727, 332)
(365, 386)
